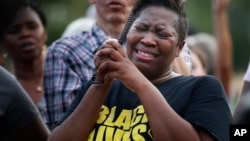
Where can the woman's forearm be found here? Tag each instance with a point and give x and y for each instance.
(224, 61)
(79, 124)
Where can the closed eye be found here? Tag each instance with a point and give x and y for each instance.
(32, 25)
(163, 35)
(14, 29)
(141, 28)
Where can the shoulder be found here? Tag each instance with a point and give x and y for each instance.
(78, 25)
(70, 43)
(78, 43)
(14, 100)
(190, 79)
(8, 86)
(207, 82)
(74, 48)
(9, 79)
(201, 79)
(200, 84)
(11, 88)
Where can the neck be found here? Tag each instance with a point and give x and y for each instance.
(25, 70)
(166, 76)
(111, 29)
(30, 75)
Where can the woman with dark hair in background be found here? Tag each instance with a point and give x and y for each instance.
(23, 34)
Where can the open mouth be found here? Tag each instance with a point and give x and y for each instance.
(27, 46)
(145, 56)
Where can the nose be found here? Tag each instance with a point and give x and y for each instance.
(25, 32)
(148, 39)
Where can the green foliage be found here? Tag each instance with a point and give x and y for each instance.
(199, 14)
(60, 13)
(240, 31)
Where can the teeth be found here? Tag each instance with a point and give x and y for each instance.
(145, 54)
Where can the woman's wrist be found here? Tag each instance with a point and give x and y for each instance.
(220, 6)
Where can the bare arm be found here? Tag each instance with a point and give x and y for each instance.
(224, 62)
(79, 124)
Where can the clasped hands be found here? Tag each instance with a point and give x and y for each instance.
(112, 62)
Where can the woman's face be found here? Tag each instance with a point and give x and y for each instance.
(152, 42)
(25, 36)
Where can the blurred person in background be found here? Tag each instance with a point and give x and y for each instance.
(19, 118)
(23, 34)
(217, 49)
(246, 84)
(224, 61)
(81, 24)
(70, 60)
(203, 46)
(241, 113)
(199, 61)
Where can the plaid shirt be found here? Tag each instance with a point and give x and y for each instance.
(69, 63)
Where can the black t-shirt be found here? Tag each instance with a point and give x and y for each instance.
(16, 108)
(199, 100)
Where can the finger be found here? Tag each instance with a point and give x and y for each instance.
(110, 53)
(107, 54)
(107, 67)
(101, 59)
(104, 45)
(114, 43)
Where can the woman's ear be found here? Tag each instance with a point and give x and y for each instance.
(180, 47)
